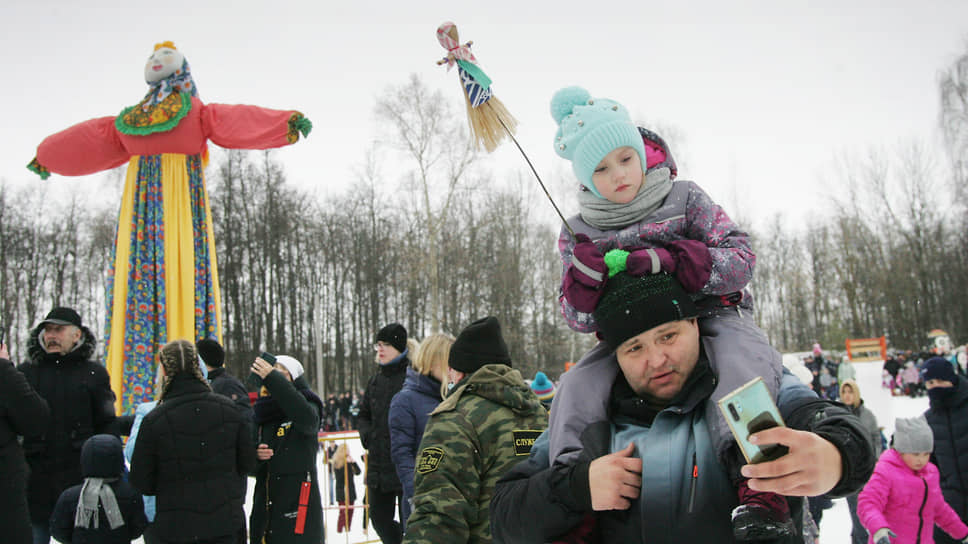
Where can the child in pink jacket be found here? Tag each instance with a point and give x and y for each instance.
(902, 501)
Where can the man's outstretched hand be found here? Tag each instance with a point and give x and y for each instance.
(812, 467)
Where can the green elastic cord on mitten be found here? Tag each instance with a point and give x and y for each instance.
(615, 261)
(38, 169)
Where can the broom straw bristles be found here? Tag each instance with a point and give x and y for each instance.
(486, 122)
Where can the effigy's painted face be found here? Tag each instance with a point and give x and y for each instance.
(163, 63)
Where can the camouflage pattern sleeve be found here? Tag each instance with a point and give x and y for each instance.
(446, 482)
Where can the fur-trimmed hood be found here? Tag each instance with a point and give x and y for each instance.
(84, 351)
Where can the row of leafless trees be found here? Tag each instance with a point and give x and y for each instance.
(315, 278)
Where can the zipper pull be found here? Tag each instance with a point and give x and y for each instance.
(692, 486)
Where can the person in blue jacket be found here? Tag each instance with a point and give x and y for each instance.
(411, 407)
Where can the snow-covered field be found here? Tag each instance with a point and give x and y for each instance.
(834, 528)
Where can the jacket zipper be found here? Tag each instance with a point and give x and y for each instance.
(924, 500)
(692, 485)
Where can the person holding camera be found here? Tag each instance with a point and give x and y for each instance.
(286, 505)
(649, 468)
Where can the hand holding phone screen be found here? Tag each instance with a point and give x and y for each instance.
(254, 380)
(749, 410)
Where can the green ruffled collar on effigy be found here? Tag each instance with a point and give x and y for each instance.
(162, 117)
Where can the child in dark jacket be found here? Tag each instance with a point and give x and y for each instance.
(104, 509)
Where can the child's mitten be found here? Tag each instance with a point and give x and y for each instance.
(688, 260)
(884, 536)
(586, 276)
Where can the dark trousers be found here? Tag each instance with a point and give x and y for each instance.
(226, 539)
(41, 533)
(381, 515)
(818, 505)
(858, 534)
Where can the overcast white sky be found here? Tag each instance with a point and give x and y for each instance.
(761, 94)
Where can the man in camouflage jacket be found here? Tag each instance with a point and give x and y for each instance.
(486, 425)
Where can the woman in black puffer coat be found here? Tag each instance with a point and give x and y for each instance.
(948, 417)
(22, 412)
(191, 451)
(286, 506)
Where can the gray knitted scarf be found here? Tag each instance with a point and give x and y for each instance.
(607, 215)
(97, 491)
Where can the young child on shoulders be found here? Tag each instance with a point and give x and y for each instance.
(902, 501)
(105, 508)
(630, 200)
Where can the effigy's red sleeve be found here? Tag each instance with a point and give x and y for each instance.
(248, 127)
(85, 148)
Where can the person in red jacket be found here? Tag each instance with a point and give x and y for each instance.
(902, 501)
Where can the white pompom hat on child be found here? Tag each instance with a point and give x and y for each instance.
(590, 128)
(294, 367)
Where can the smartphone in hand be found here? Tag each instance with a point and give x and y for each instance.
(254, 381)
(749, 410)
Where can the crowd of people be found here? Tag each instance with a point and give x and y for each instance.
(631, 445)
(181, 475)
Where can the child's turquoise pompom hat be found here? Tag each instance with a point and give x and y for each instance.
(590, 128)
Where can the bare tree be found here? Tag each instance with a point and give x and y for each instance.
(425, 128)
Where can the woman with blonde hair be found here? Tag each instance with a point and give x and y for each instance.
(191, 453)
(850, 395)
(422, 392)
(345, 469)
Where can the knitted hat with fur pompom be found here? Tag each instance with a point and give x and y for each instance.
(590, 128)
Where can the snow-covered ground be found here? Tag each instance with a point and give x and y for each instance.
(834, 527)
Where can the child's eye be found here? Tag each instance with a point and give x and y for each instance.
(600, 169)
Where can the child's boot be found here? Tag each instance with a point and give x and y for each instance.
(761, 516)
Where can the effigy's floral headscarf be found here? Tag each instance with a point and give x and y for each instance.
(168, 100)
(179, 81)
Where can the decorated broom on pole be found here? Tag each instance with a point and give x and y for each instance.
(489, 120)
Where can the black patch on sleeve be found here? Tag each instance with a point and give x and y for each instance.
(429, 460)
(523, 440)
